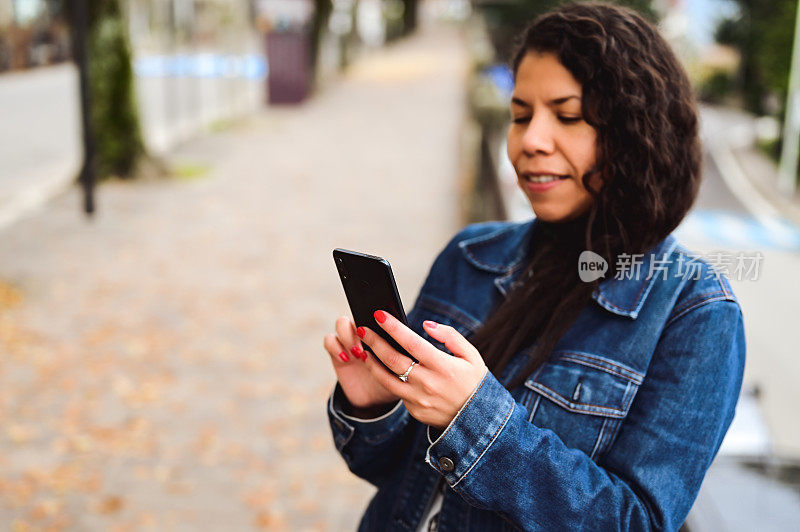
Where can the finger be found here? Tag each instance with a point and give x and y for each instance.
(397, 362)
(452, 340)
(393, 359)
(346, 331)
(336, 350)
(389, 380)
(417, 346)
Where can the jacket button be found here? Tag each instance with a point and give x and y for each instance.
(446, 464)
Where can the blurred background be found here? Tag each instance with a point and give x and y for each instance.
(175, 173)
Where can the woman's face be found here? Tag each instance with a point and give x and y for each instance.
(549, 138)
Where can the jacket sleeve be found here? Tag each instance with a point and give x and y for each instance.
(497, 460)
(370, 447)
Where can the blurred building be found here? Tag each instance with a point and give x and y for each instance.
(32, 33)
(198, 64)
(162, 24)
(674, 26)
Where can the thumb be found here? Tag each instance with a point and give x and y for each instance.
(452, 340)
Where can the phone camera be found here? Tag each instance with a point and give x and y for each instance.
(341, 267)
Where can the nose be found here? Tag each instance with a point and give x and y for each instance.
(538, 137)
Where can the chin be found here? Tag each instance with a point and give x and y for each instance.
(551, 216)
(557, 215)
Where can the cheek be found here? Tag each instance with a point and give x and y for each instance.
(511, 146)
(584, 153)
(591, 147)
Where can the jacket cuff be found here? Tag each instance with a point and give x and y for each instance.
(472, 431)
(370, 430)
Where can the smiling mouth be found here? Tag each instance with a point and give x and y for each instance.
(543, 178)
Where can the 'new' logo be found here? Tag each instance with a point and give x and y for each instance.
(591, 266)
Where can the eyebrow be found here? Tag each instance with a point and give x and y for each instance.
(556, 101)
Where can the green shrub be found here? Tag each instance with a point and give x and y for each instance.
(115, 120)
(717, 87)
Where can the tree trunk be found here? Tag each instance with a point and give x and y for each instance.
(410, 16)
(114, 115)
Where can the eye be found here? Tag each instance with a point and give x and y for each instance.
(522, 120)
(570, 119)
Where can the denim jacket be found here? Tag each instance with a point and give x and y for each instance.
(614, 432)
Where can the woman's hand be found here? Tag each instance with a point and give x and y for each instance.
(353, 372)
(440, 384)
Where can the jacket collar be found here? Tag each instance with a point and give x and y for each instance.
(503, 252)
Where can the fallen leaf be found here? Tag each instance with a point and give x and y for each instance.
(20, 434)
(109, 505)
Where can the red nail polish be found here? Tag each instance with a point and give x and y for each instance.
(430, 324)
(380, 316)
(361, 332)
(357, 351)
(344, 356)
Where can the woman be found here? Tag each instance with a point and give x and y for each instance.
(570, 401)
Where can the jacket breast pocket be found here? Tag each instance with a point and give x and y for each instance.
(583, 398)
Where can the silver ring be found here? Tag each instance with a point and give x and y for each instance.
(404, 376)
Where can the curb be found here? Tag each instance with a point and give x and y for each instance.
(31, 198)
(738, 182)
(758, 194)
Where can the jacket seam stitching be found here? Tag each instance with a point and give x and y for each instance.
(630, 393)
(604, 361)
(618, 422)
(724, 287)
(694, 306)
(645, 283)
(535, 407)
(561, 401)
(468, 322)
(611, 433)
(599, 438)
(480, 241)
(606, 301)
(628, 396)
(499, 281)
(402, 422)
(580, 360)
(474, 393)
(348, 430)
(488, 444)
(699, 297)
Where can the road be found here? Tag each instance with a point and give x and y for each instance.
(729, 220)
(39, 135)
(179, 96)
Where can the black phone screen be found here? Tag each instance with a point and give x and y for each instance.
(369, 285)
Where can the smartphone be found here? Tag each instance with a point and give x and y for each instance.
(369, 285)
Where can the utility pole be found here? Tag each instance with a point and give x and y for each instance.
(787, 171)
(80, 30)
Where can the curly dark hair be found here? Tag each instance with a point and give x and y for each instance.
(638, 97)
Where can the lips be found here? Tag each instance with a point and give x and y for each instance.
(541, 182)
(543, 177)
